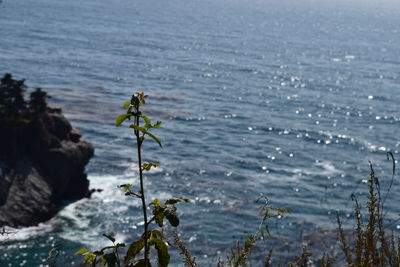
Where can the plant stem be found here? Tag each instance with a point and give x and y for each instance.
(117, 256)
(139, 146)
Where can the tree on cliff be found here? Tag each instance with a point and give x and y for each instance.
(38, 100)
(12, 103)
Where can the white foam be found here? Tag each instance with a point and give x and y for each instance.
(324, 168)
(350, 57)
(328, 168)
(15, 234)
(76, 222)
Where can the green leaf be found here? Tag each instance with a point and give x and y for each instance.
(148, 166)
(147, 121)
(175, 200)
(127, 104)
(110, 259)
(81, 251)
(162, 252)
(134, 249)
(121, 118)
(158, 124)
(170, 214)
(157, 234)
(89, 258)
(125, 187)
(158, 213)
(155, 138)
(155, 202)
(112, 239)
(138, 128)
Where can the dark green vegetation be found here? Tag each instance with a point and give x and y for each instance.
(151, 237)
(367, 244)
(371, 244)
(12, 103)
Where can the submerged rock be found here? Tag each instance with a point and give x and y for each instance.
(42, 162)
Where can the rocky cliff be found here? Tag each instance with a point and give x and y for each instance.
(42, 161)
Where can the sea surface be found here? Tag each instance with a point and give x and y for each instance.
(288, 99)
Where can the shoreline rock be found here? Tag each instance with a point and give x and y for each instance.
(42, 164)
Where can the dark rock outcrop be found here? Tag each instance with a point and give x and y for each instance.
(42, 163)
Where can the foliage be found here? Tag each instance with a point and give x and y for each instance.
(302, 260)
(108, 255)
(38, 100)
(241, 252)
(12, 102)
(372, 245)
(188, 259)
(150, 238)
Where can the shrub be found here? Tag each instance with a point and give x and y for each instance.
(12, 103)
(371, 245)
(37, 101)
(161, 211)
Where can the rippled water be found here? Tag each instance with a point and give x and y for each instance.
(290, 100)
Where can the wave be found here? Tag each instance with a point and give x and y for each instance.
(328, 138)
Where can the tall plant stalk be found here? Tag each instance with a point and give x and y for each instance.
(154, 237)
(139, 141)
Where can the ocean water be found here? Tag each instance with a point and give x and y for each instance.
(290, 100)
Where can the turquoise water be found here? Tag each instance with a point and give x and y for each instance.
(289, 100)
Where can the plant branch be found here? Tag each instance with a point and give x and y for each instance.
(139, 141)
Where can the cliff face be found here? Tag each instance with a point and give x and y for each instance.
(42, 163)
